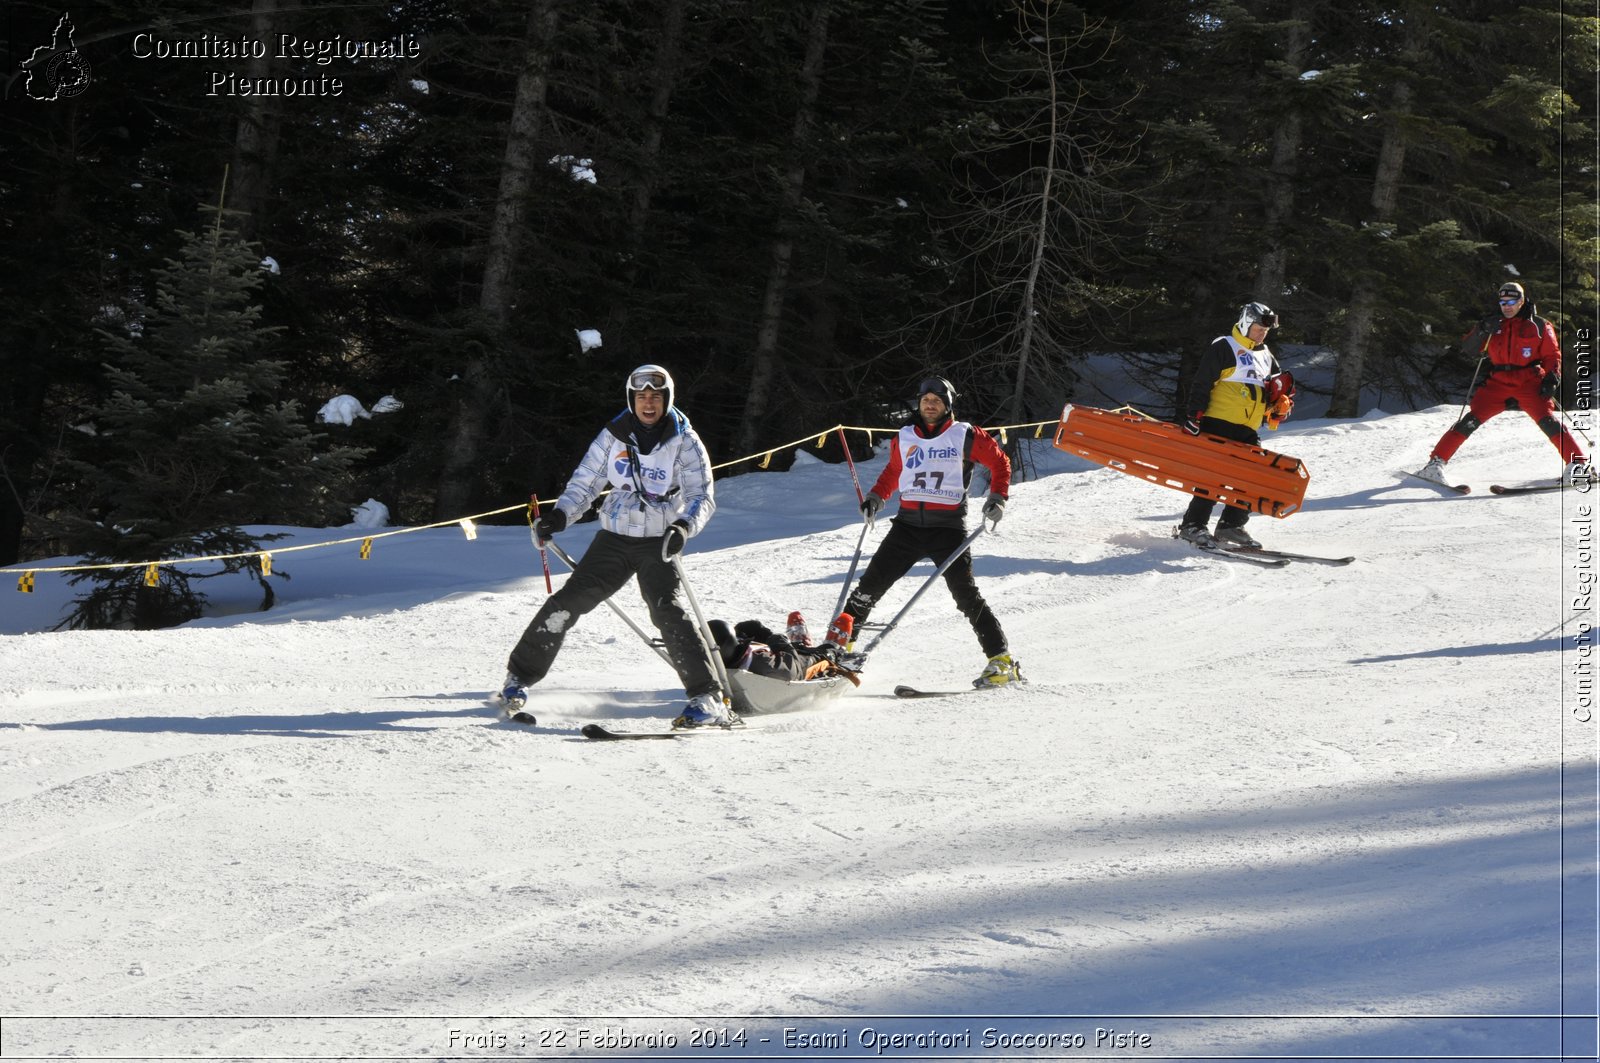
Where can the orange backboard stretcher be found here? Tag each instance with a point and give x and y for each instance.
(1238, 474)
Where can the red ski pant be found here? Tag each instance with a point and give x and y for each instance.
(1510, 391)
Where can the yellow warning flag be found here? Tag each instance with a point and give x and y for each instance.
(152, 576)
(366, 549)
(25, 584)
(266, 564)
(469, 529)
(766, 460)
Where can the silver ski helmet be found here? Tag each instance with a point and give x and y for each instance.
(939, 386)
(1255, 314)
(650, 378)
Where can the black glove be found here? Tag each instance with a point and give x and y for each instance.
(994, 509)
(673, 541)
(1550, 385)
(870, 505)
(550, 523)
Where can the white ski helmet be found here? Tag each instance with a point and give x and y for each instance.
(649, 378)
(1255, 314)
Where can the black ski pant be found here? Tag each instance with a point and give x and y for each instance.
(1199, 512)
(610, 562)
(903, 547)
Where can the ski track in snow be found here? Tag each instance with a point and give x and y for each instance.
(1224, 790)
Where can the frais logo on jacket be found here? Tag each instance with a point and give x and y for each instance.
(917, 455)
(625, 468)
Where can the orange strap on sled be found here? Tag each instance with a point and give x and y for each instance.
(1238, 474)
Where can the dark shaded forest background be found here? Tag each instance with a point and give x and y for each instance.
(799, 207)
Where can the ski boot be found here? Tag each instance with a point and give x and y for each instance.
(1235, 535)
(1433, 471)
(706, 710)
(1000, 670)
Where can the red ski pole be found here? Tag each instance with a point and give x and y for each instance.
(866, 525)
(544, 558)
(860, 497)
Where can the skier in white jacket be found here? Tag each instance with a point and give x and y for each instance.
(659, 476)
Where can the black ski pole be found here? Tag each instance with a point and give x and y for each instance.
(844, 591)
(904, 609)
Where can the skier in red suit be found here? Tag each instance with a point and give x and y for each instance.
(1524, 374)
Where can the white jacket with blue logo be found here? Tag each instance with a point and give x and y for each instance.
(648, 491)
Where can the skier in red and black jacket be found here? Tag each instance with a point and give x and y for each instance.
(930, 464)
(1524, 374)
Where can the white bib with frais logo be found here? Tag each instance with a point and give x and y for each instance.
(654, 471)
(931, 469)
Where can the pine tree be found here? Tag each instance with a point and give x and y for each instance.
(194, 441)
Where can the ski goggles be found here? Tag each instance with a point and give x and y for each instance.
(647, 382)
(1509, 300)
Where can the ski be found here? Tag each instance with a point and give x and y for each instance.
(601, 734)
(913, 692)
(1247, 556)
(1313, 559)
(904, 691)
(1526, 489)
(1230, 555)
(1459, 489)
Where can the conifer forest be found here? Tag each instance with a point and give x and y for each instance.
(218, 218)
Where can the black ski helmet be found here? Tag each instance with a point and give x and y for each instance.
(649, 378)
(936, 385)
(1256, 314)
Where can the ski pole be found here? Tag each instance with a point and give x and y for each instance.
(1463, 411)
(544, 558)
(1567, 416)
(861, 496)
(957, 552)
(566, 559)
(844, 591)
(707, 643)
(850, 458)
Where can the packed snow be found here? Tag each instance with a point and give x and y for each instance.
(1235, 812)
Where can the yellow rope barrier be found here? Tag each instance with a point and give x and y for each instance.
(152, 569)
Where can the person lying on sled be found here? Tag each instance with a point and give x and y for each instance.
(753, 647)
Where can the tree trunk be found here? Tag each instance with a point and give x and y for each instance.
(1351, 372)
(255, 146)
(479, 391)
(1041, 244)
(1274, 261)
(21, 425)
(764, 361)
(668, 60)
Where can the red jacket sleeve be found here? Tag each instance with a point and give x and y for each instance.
(987, 452)
(1549, 349)
(889, 478)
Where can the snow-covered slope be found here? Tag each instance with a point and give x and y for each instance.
(1311, 811)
